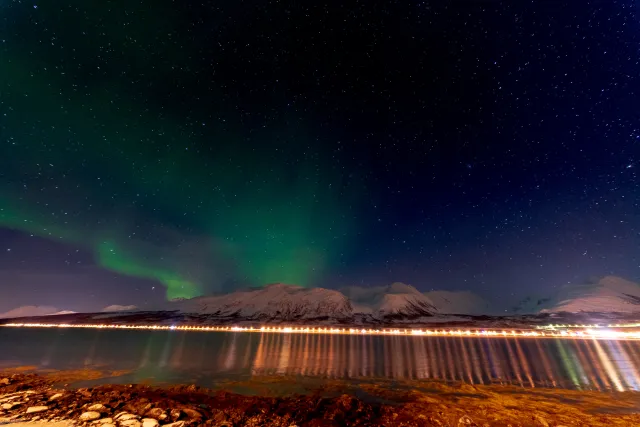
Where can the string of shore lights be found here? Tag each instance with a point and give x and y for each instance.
(598, 333)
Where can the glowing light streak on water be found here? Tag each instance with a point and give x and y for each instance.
(433, 360)
(523, 361)
(573, 352)
(601, 373)
(475, 359)
(632, 353)
(608, 366)
(231, 354)
(568, 364)
(494, 359)
(624, 364)
(514, 362)
(590, 376)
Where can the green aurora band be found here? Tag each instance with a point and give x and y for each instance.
(163, 197)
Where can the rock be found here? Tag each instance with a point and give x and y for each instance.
(90, 416)
(157, 413)
(130, 423)
(106, 421)
(84, 392)
(142, 411)
(98, 407)
(150, 422)
(34, 409)
(125, 416)
(218, 416)
(465, 420)
(345, 401)
(108, 425)
(175, 414)
(7, 406)
(56, 396)
(5, 381)
(542, 421)
(191, 413)
(176, 424)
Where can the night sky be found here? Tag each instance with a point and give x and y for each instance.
(157, 148)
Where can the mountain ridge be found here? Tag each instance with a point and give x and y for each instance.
(395, 302)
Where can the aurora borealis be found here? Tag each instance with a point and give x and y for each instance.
(156, 198)
(156, 209)
(192, 148)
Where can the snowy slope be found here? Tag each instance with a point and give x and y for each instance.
(460, 302)
(609, 294)
(395, 300)
(276, 301)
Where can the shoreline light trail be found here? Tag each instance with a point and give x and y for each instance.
(589, 333)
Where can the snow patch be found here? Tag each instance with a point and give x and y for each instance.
(116, 307)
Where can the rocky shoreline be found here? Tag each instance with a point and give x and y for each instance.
(33, 397)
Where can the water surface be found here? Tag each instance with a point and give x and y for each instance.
(207, 358)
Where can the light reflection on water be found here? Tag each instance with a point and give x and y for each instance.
(179, 356)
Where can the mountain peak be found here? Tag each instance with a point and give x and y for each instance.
(607, 294)
(402, 288)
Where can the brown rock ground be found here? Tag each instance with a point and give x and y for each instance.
(332, 404)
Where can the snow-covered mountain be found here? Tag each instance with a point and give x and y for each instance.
(33, 310)
(395, 300)
(609, 294)
(288, 302)
(397, 303)
(459, 302)
(277, 301)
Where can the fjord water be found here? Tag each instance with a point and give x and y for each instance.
(209, 357)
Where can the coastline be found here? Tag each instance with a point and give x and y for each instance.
(52, 396)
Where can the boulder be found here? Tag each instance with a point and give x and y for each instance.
(150, 422)
(130, 423)
(34, 409)
(98, 407)
(125, 416)
(175, 414)
(157, 413)
(90, 416)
